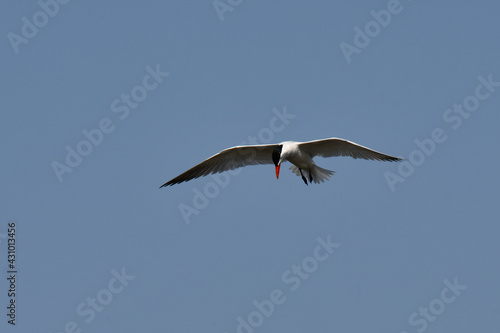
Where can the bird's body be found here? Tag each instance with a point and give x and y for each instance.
(293, 154)
(300, 154)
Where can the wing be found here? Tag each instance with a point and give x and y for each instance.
(340, 147)
(228, 159)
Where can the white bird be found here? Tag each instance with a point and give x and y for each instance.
(300, 154)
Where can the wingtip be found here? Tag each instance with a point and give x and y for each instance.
(395, 159)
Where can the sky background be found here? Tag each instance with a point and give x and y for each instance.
(227, 73)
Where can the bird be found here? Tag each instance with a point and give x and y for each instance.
(300, 154)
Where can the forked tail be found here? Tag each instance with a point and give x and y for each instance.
(316, 174)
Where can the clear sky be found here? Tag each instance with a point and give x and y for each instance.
(102, 102)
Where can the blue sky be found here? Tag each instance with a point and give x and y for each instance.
(104, 102)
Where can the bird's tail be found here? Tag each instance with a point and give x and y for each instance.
(316, 174)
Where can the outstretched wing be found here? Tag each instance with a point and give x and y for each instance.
(228, 159)
(340, 147)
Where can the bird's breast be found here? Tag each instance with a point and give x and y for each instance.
(298, 157)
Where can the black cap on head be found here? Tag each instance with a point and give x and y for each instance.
(277, 154)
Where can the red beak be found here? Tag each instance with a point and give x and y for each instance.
(278, 171)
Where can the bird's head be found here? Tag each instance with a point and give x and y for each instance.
(277, 159)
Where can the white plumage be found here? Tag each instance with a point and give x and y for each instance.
(300, 154)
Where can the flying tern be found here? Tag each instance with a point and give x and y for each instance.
(300, 154)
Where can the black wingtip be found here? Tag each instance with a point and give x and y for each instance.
(393, 159)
